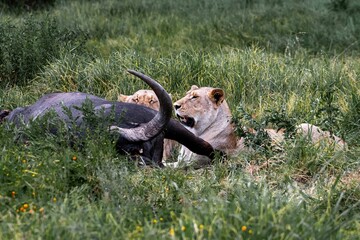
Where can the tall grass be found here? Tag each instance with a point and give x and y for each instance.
(29, 44)
(287, 61)
(165, 26)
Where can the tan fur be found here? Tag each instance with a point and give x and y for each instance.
(316, 135)
(149, 99)
(143, 97)
(212, 122)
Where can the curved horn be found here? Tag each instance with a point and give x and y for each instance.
(149, 130)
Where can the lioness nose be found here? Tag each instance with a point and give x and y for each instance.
(177, 106)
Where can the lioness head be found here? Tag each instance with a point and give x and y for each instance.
(202, 107)
(142, 97)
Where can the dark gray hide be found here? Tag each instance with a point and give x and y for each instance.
(141, 130)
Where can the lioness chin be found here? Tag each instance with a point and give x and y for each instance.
(205, 112)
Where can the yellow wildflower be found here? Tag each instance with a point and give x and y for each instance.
(172, 232)
(41, 210)
(183, 228)
(243, 228)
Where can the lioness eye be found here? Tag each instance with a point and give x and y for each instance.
(194, 96)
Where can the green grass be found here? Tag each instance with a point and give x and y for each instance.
(281, 60)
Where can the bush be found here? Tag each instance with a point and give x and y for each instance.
(29, 4)
(26, 47)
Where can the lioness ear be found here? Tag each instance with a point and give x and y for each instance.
(123, 98)
(217, 95)
(194, 87)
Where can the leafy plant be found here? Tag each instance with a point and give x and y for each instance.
(251, 130)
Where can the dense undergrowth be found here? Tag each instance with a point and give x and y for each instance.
(280, 63)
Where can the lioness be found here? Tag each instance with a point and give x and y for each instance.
(205, 112)
(149, 99)
(144, 97)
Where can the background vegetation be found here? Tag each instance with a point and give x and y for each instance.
(281, 61)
